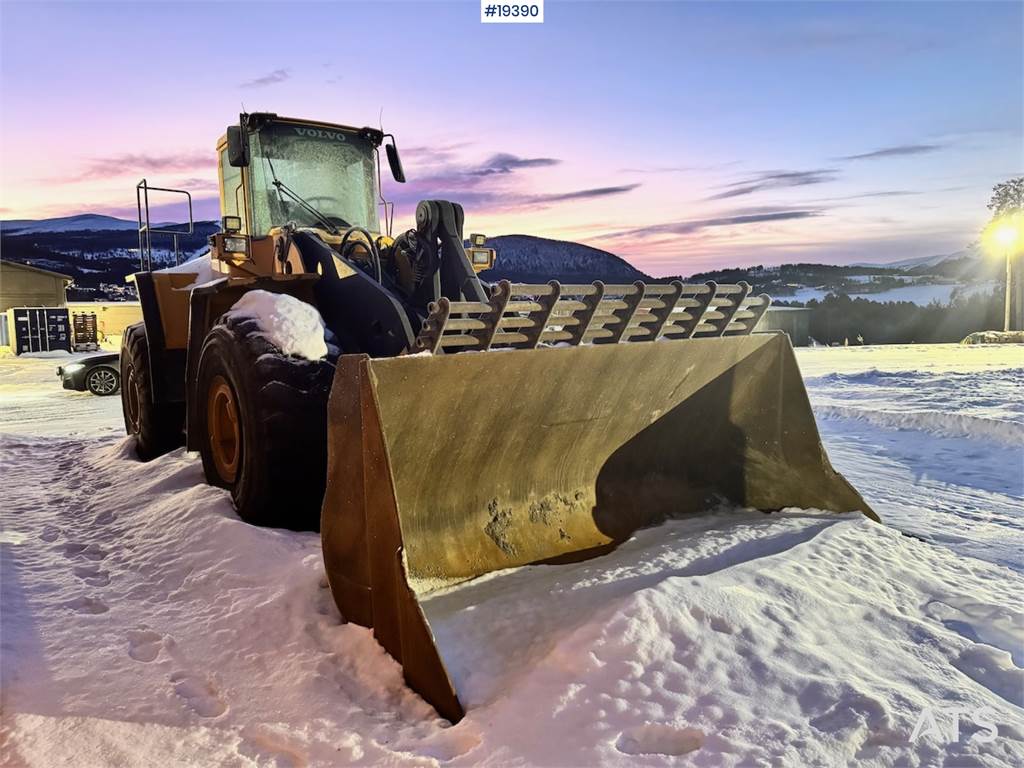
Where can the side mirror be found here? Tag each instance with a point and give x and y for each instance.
(238, 148)
(395, 162)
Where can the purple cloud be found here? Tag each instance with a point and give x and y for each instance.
(692, 226)
(128, 163)
(506, 163)
(776, 180)
(271, 78)
(903, 150)
(582, 194)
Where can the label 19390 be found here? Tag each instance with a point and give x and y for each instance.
(512, 13)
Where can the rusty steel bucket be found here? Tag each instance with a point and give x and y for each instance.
(445, 467)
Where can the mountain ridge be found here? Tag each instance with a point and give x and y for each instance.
(99, 259)
(528, 258)
(83, 222)
(520, 249)
(972, 251)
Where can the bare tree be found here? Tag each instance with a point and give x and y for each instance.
(1008, 200)
(1007, 197)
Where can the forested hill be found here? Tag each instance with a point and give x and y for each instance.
(528, 259)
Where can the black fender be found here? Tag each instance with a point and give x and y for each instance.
(363, 314)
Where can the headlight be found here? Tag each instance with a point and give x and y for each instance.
(73, 367)
(234, 244)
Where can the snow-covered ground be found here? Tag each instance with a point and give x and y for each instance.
(144, 624)
(933, 435)
(920, 293)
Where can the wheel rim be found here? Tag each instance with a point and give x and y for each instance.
(223, 427)
(103, 381)
(132, 399)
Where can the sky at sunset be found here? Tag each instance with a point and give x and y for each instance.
(681, 136)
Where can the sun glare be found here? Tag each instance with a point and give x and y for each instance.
(1004, 234)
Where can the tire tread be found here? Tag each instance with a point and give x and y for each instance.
(283, 400)
(161, 425)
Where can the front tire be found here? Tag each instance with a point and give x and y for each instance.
(158, 428)
(103, 381)
(262, 419)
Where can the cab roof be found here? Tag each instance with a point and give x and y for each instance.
(257, 119)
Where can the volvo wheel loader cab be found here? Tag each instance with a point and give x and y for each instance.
(300, 207)
(619, 405)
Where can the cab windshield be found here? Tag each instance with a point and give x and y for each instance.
(331, 170)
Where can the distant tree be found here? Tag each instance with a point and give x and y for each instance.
(1007, 197)
(838, 317)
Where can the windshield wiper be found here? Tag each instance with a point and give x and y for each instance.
(282, 187)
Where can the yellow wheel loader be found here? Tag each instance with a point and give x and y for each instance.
(617, 406)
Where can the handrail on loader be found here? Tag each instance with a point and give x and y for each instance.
(146, 230)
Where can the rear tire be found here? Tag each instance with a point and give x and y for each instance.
(103, 381)
(262, 420)
(158, 428)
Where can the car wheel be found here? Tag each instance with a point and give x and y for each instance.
(103, 381)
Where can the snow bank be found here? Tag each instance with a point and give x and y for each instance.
(935, 422)
(291, 325)
(984, 405)
(933, 358)
(995, 337)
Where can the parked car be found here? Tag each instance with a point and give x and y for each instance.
(100, 374)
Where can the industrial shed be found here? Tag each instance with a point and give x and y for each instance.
(795, 321)
(112, 317)
(25, 286)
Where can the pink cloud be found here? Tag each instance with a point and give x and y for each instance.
(126, 164)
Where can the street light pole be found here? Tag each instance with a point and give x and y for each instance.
(1005, 235)
(1008, 293)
